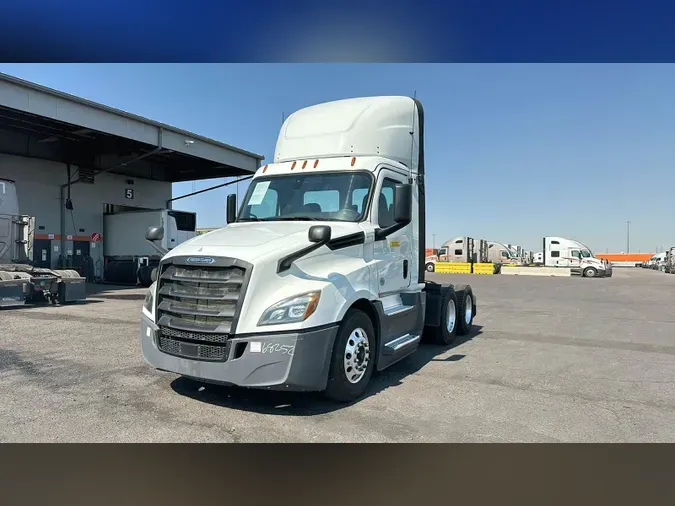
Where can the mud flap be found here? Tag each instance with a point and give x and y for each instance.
(72, 290)
(11, 294)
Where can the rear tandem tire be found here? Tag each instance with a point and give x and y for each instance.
(465, 309)
(355, 346)
(446, 332)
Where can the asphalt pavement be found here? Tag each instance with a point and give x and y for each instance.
(552, 360)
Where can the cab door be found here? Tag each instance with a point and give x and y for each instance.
(393, 254)
(574, 258)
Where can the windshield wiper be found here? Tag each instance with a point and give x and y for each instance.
(291, 218)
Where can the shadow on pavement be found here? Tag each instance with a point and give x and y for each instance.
(311, 404)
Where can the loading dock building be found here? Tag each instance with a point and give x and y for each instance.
(59, 148)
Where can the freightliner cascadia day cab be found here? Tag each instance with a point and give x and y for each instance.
(561, 252)
(319, 279)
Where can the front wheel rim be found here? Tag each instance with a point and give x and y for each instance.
(356, 356)
(452, 316)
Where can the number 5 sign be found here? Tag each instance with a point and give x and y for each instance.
(129, 193)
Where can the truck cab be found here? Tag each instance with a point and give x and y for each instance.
(562, 252)
(318, 279)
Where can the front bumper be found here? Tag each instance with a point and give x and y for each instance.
(296, 361)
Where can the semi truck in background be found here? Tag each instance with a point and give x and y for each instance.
(670, 261)
(561, 252)
(20, 281)
(459, 249)
(499, 253)
(520, 254)
(319, 279)
(128, 257)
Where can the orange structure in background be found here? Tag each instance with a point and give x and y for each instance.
(625, 257)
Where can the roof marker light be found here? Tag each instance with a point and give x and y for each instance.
(316, 163)
(293, 166)
(353, 160)
(265, 169)
(304, 164)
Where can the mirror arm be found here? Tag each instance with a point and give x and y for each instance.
(161, 250)
(383, 233)
(286, 262)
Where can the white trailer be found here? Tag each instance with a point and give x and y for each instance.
(20, 281)
(128, 256)
(319, 279)
(562, 252)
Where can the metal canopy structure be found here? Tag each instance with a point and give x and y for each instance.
(39, 122)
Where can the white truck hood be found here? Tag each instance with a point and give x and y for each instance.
(251, 240)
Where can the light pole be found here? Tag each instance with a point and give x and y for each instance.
(628, 237)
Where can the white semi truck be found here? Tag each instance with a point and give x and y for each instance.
(561, 252)
(128, 256)
(20, 281)
(319, 279)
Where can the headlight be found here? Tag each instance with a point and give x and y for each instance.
(149, 303)
(294, 309)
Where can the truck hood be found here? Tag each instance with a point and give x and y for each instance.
(251, 240)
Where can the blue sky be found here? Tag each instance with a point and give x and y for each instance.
(514, 152)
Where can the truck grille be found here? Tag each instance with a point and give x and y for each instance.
(192, 350)
(198, 305)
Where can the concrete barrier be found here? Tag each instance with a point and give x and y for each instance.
(537, 271)
(453, 268)
(483, 268)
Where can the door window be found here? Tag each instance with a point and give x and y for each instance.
(385, 204)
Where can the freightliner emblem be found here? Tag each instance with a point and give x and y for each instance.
(200, 260)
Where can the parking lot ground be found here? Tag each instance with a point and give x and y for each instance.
(552, 360)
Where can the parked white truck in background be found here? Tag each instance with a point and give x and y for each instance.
(670, 261)
(21, 282)
(499, 253)
(319, 279)
(460, 249)
(561, 252)
(128, 256)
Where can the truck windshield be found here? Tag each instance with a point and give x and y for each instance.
(586, 253)
(321, 197)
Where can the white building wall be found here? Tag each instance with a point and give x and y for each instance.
(39, 182)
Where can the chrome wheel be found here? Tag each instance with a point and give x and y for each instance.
(357, 355)
(468, 310)
(452, 316)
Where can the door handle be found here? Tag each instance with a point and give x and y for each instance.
(405, 269)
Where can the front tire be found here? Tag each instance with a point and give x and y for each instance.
(430, 267)
(590, 272)
(353, 358)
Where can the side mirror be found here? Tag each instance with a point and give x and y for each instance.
(319, 234)
(403, 203)
(155, 234)
(231, 208)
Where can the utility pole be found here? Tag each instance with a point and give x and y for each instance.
(628, 237)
